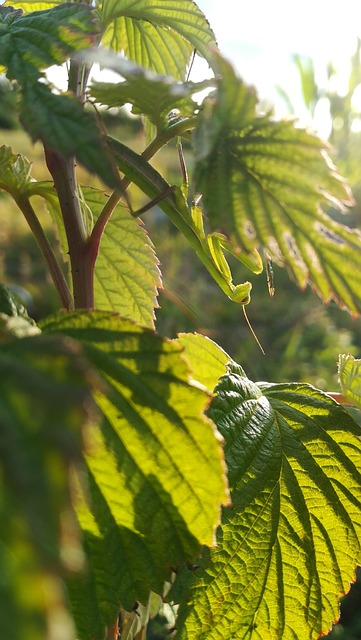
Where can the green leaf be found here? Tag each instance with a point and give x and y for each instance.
(265, 182)
(306, 70)
(14, 319)
(126, 274)
(14, 172)
(62, 124)
(45, 403)
(151, 95)
(288, 547)
(28, 6)
(349, 372)
(35, 41)
(155, 472)
(207, 359)
(189, 221)
(16, 179)
(157, 34)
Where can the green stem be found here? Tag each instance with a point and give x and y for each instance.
(149, 152)
(48, 253)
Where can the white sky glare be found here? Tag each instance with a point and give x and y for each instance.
(260, 36)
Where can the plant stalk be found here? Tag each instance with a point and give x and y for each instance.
(65, 182)
(47, 251)
(63, 174)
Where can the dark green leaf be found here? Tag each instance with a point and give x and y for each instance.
(157, 34)
(265, 182)
(45, 400)
(288, 547)
(156, 472)
(35, 41)
(61, 122)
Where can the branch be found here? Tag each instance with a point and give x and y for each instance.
(63, 174)
(47, 251)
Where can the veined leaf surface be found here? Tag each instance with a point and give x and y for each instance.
(151, 95)
(157, 34)
(289, 545)
(156, 472)
(126, 276)
(35, 41)
(265, 181)
(349, 371)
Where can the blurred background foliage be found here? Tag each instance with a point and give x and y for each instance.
(301, 337)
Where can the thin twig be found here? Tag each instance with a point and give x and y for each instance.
(47, 251)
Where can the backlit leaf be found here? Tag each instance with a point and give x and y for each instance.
(157, 34)
(265, 181)
(150, 95)
(126, 274)
(349, 371)
(289, 545)
(33, 5)
(207, 359)
(156, 472)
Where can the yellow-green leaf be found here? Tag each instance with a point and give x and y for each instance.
(157, 34)
(156, 475)
(126, 275)
(349, 371)
(207, 359)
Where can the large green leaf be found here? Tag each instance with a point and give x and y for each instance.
(349, 371)
(265, 181)
(156, 473)
(288, 546)
(126, 275)
(158, 34)
(45, 403)
(43, 38)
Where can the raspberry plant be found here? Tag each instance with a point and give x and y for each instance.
(138, 470)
